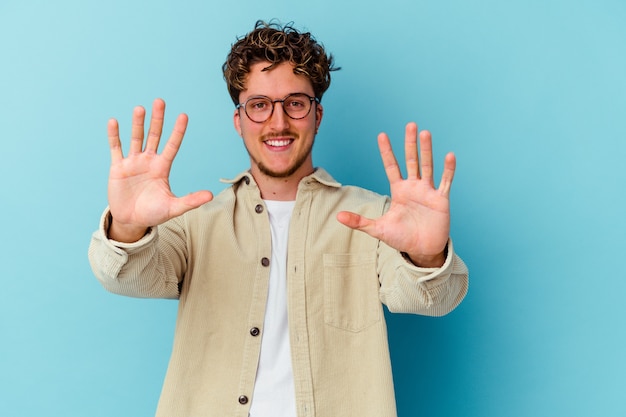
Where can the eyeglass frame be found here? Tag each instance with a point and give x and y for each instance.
(282, 102)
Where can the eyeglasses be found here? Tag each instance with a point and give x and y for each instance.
(260, 108)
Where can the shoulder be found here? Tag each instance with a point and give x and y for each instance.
(328, 185)
(222, 203)
(360, 193)
(351, 198)
(359, 196)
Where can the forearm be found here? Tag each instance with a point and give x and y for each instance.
(149, 268)
(428, 291)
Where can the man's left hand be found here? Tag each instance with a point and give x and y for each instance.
(418, 220)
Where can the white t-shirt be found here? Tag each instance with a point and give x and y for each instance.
(274, 392)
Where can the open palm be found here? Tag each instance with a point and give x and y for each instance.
(418, 220)
(139, 191)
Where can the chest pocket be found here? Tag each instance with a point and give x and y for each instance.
(351, 291)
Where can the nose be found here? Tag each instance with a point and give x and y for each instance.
(279, 120)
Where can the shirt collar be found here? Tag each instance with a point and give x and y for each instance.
(319, 175)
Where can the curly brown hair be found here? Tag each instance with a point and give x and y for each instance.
(276, 44)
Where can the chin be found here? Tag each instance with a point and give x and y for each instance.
(283, 173)
(277, 174)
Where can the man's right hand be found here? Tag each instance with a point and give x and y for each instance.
(139, 191)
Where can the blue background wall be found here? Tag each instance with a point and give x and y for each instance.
(531, 95)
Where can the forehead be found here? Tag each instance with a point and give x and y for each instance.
(276, 82)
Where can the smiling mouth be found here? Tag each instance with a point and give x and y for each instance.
(278, 143)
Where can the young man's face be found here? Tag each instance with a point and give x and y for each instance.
(281, 146)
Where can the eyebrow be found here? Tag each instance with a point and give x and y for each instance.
(268, 97)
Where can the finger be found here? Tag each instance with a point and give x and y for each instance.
(389, 159)
(449, 167)
(356, 221)
(176, 138)
(156, 125)
(189, 202)
(136, 133)
(426, 156)
(410, 151)
(115, 144)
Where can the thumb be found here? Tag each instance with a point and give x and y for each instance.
(356, 221)
(190, 201)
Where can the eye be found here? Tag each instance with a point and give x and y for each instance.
(295, 103)
(258, 105)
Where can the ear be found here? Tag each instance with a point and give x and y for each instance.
(319, 113)
(237, 122)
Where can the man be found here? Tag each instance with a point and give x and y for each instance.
(281, 277)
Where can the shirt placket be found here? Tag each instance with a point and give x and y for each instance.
(254, 326)
(298, 331)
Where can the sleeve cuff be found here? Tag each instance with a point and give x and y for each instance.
(428, 274)
(129, 248)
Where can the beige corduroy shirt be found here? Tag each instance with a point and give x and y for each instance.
(215, 260)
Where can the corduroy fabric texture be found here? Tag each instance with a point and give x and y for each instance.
(215, 261)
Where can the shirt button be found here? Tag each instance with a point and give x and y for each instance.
(255, 331)
(243, 399)
(246, 180)
(265, 262)
(258, 208)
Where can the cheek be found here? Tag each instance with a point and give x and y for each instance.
(248, 129)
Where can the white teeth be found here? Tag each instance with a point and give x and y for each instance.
(278, 142)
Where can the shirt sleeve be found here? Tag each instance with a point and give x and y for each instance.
(152, 267)
(406, 288)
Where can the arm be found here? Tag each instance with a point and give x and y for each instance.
(127, 254)
(428, 278)
(152, 267)
(406, 288)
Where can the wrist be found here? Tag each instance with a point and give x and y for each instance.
(124, 233)
(427, 261)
